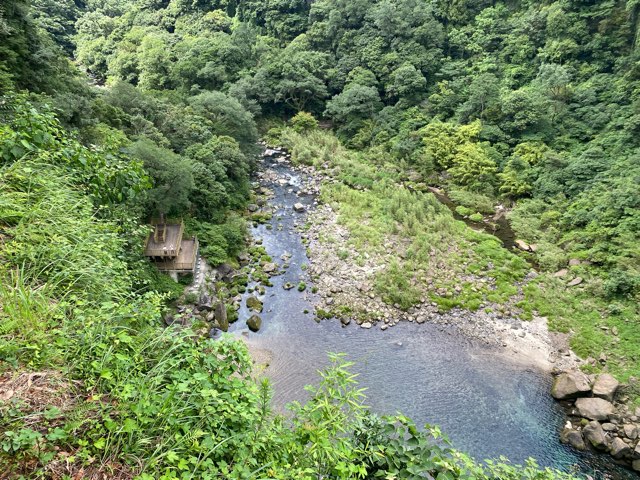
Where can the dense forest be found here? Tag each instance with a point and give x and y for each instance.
(115, 111)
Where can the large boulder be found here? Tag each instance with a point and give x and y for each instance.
(205, 303)
(619, 449)
(254, 323)
(220, 315)
(254, 304)
(631, 431)
(570, 385)
(269, 267)
(299, 207)
(575, 282)
(594, 434)
(573, 438)
(594, 408)
(605, 386)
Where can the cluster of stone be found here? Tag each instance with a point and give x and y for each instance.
(598, 420)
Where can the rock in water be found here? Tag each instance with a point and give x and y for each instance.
(366, 325)
(619, 449)
(573, 438)
(220, 314)
(594, 434)
(254, 323)
(269, 267)
(570, 385)
(605, 386)
(594, 408)
(298, 207)
(254, 304)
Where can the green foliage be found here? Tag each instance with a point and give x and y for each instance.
(534, 103)
(171, 176)
(219, 242)
(303, 122)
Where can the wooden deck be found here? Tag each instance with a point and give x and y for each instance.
(165, 241)
(185, 262)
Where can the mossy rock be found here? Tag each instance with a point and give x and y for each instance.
(254, 304)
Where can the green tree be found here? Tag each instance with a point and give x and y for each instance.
(294, 76)
(170, 174)
(227, 117)
(353, 106)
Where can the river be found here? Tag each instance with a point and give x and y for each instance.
(487, 406)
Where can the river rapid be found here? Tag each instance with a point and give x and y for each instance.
(488, 406)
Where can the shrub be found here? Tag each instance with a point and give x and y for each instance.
(303, 122)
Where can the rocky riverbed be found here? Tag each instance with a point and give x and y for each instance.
(346, 285)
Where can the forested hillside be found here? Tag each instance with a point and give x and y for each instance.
(548, 92)
(115, 111)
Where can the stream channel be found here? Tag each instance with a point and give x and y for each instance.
(486, 405)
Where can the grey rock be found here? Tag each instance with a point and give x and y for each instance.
(631, 431)
(605, 386)
(252, 207)
(220, 315)
(205, 302)
(609, 427)
(345, 321)
(594, 434)
(298, 207)
(573, 438)
(522, 245)
(619, 449)
(561, 273)
(594, 408)
(570, 385)
(576, 281)
(254, 323)
(269, 267)
(366, 325)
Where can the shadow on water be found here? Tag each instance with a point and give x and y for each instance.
(486, 405)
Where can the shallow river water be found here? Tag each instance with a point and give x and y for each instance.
(487, 406)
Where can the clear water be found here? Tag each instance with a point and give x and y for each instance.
(488, 406)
